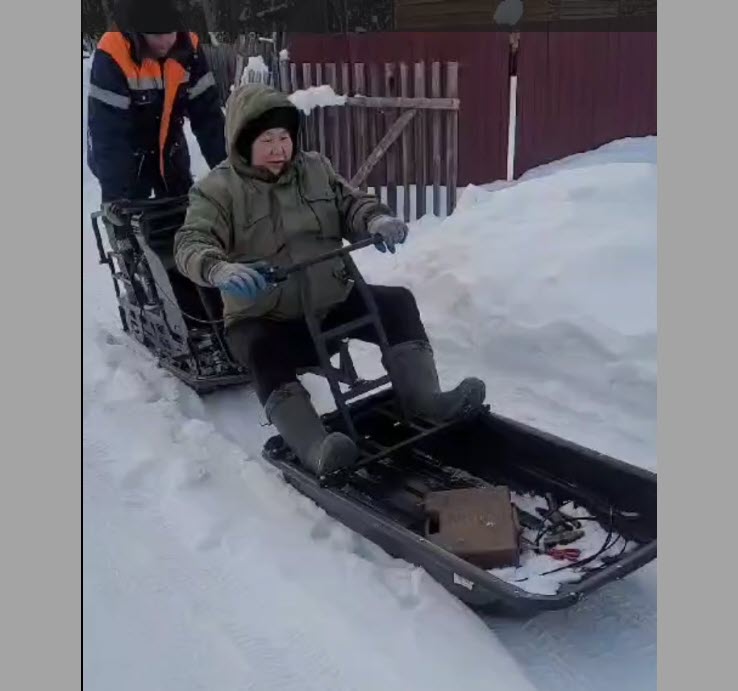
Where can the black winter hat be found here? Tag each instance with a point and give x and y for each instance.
(148, 16)
(287, 117)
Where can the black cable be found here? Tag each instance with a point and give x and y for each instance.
(606, 545)
(547, 529)
(182, 312)
(547, 517)
(163, 294)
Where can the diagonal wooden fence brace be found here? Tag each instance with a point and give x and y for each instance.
(388, 140)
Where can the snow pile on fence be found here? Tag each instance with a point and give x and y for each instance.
(256, 71)
(316, 97)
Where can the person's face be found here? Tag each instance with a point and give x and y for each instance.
(160, 44)
(272, 150)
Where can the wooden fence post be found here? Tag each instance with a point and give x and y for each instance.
(391, 154)
(436, 93)
(452, 137)
(406, 174)
(421, 152)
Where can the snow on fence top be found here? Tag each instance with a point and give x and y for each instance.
(316, 96)
(256, 71)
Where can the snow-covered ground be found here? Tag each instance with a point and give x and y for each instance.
(203, 570)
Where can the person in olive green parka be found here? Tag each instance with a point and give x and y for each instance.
(270, 205)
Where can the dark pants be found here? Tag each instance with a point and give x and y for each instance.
(275, 350)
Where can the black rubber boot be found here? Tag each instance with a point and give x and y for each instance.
(412, 369)
(289, 409)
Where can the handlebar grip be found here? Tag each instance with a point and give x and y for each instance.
(279, 274)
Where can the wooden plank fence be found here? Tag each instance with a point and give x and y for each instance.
(380, 138)
(227, 62)
(222, 62)
(572, 91)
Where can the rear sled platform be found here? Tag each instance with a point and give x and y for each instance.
(179, 323)
(382, 499)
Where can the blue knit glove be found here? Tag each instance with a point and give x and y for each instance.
(392, 231)
(240, 280)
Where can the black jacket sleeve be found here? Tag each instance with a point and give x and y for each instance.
(110, 151)
(204, 110)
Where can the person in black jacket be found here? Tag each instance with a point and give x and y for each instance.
(146, 77)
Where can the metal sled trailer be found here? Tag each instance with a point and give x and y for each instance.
(382, 501)
(403, 459)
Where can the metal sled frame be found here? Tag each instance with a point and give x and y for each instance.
(371, 452)
(148, 307)
(194, 352)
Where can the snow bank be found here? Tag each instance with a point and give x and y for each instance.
(316, 97)
(546, 288)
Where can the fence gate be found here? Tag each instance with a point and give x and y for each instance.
(396, 134)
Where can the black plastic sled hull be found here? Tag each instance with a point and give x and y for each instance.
(486, 449)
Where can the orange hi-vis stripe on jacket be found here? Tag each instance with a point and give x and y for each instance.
(149, 74)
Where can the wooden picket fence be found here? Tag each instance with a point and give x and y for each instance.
(222, 62)
(396, 134)
(227, 62)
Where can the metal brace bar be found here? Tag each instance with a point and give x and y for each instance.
(391, 416)
(338, 477)
(347, 328)
(361, 389)
(323, 355)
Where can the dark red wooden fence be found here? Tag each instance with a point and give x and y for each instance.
(483, 83)
(576, 90)
(579, 90)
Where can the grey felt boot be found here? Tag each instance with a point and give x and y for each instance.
(289, 409)
(412, 370)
